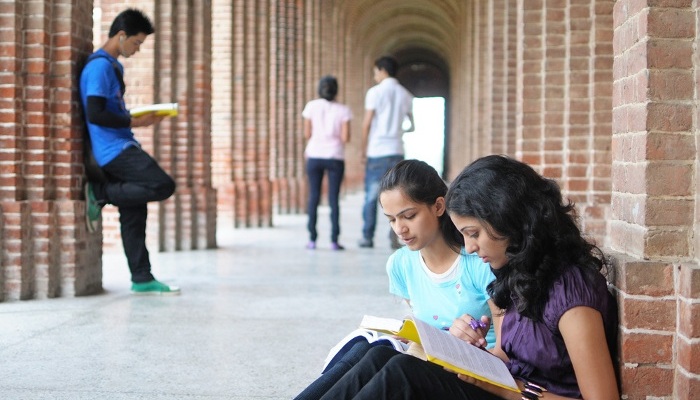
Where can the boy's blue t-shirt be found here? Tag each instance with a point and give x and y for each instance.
(99, 78)
(440, 303)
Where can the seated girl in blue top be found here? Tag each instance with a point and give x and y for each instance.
(557, 331)
(433, 273)
(438, 279)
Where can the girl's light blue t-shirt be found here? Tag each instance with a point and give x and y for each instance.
(439, 304)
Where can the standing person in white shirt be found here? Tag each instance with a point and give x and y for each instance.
(327, 129)
(387, 105)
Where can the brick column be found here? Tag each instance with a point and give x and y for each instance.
(483, 73)
(174, 65)
(474, 81)
(222, 103)
(43, 241)
(288, 98)
(261, 164)
(460, 103)
(530, 83)
(503, 76)
(653, 198)
(352, 64)
(245, 181)
(590, 118)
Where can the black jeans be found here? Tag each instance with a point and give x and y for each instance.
(135, 178)
(329, 378)
(315, 167)
(384, 373)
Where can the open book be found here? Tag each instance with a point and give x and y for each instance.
(371, 336)
(161, 109)
(444, 349)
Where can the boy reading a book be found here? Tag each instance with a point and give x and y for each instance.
(134, 178)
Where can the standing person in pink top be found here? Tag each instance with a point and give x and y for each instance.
(327, 129)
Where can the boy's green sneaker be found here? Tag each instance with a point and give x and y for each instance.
(93, 210)
(154, 288)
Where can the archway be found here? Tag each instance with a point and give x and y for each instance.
(425, 74)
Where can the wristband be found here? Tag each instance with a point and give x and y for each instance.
(532, 391)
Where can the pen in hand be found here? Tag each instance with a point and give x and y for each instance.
(476, 324)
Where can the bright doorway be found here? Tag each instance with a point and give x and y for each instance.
(427, 142)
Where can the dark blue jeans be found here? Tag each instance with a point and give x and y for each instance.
(329, 378)
(315, 168)
(374, 171)
(384, 373)
(135, 179)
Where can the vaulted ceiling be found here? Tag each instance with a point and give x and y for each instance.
(423, 34)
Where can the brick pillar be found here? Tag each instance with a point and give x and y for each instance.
(222, 95)
(653, 198)
(475, 80)
(688, 348)
(530, 83)
(45, 249)
(184, 50)
(482, 38)
(460, 103)
(174, 65)
(564, 98)
(248, 183)
(590, 119)
(352, 64)
(288, 97)
(260, 162)
(503, 76)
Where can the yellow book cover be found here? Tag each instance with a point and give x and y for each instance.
(160, 109)
(447, 350)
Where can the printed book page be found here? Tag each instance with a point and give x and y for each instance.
(444, 349)
(161, 109)
(449, 351)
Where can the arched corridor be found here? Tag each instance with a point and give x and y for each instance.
(599, 95)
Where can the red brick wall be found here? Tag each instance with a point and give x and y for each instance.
(45, 249)
(246, 119)
(653, 196)
(503, 72)
(258, 140)
(174, 65)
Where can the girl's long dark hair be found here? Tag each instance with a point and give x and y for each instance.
(521, 206)
(422, 184)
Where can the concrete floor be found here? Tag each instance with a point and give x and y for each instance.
(255, 320)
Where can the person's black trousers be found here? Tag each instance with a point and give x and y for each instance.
(135, 179)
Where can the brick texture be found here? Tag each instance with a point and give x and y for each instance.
(599, 95)
(653, 197)
(43, 245)
(174, 65)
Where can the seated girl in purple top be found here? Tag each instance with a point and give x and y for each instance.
(559, 322)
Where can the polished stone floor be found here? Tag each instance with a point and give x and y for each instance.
(255, 320)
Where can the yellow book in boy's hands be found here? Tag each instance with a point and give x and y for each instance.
(160, 109)
(447, 350)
